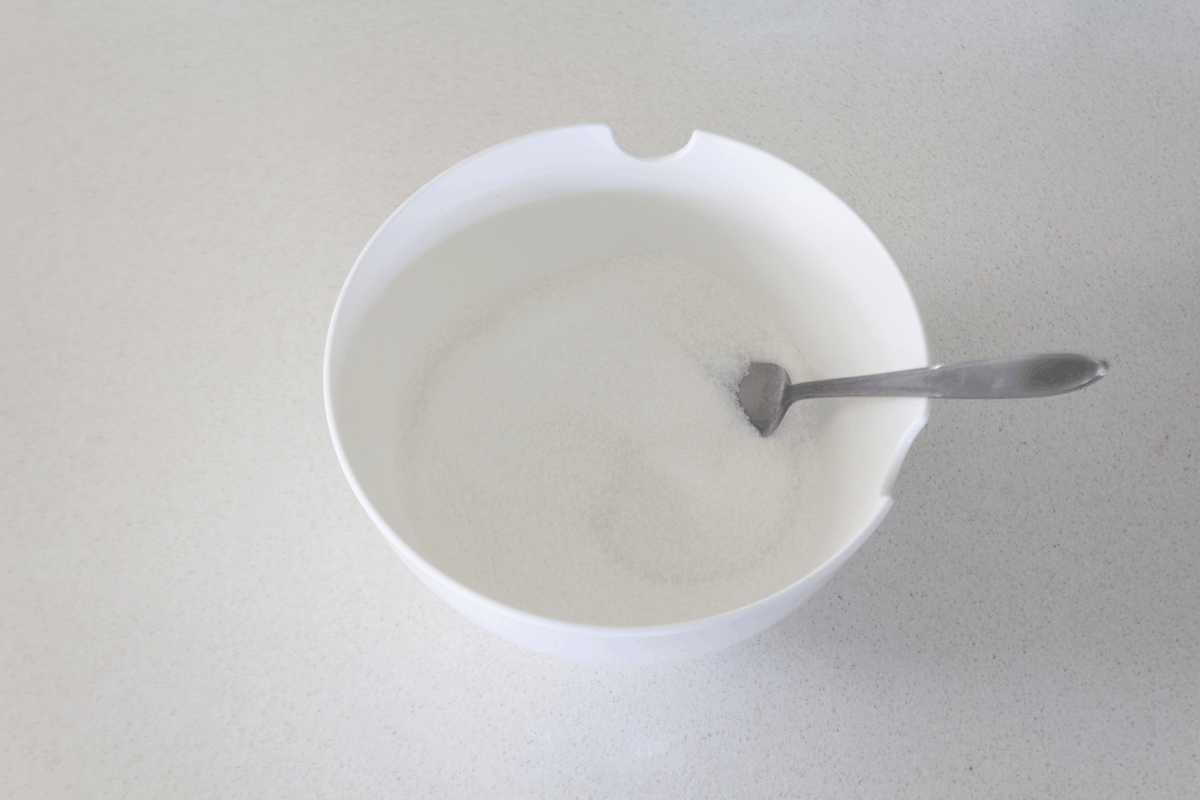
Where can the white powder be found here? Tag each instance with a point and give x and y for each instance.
(577, 450)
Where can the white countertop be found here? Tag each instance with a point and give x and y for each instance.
(192, 602)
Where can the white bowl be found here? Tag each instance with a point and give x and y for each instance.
(565, 198)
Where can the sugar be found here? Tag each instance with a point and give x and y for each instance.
(576, 450)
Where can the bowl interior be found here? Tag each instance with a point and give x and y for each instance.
(821, 273)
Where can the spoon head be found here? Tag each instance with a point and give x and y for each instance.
(761, 395)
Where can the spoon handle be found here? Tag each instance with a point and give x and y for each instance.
(1025, 376)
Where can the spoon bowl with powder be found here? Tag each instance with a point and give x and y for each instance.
(766, 391)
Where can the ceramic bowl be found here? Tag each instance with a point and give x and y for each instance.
(562, 199)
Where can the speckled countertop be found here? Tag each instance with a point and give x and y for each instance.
(193, 604)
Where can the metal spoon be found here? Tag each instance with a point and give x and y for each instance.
(766, 391)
